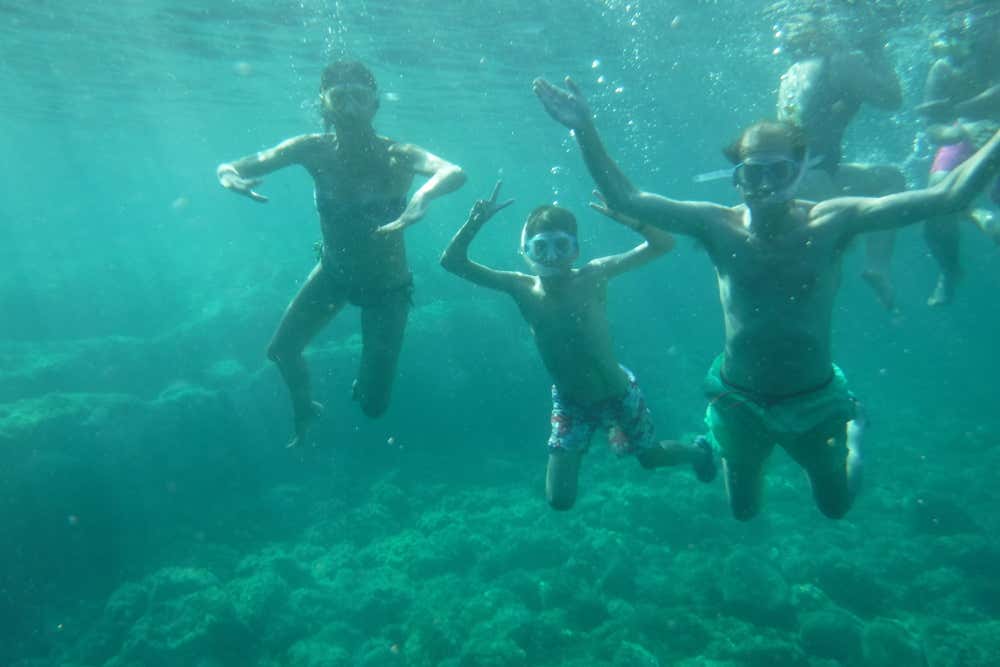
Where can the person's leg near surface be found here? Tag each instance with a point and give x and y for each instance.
(942, 238)
(877, 271)
(942, 234)
(862, 180)
(382, 327)
(313, 307)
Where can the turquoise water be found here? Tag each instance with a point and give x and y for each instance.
(150, 513)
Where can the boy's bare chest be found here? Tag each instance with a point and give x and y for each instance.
(573, 307)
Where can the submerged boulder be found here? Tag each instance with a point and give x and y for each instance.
(887, 643)
(755, 590)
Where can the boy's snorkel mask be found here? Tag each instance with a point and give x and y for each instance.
(549, 253)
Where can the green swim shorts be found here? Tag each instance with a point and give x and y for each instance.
(746, 427)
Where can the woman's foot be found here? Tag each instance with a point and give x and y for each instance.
(944, 292)
(303, 420)
(883, 288)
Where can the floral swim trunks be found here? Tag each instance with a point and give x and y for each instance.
(627, 418)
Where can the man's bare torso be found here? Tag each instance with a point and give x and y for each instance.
(777, 299)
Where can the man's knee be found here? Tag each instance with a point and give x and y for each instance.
(561, 502)
(374, 408)
(834, 509)
(744, 509)
(373, 403)
(832, 489)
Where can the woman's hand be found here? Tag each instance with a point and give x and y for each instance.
(231, 180)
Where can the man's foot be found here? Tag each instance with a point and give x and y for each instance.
(704, 467)
(944, 292)
(302, 423)
(884, 291)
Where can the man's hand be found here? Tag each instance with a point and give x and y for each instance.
(567, 106)
(654, 235)
(484, 209)
(231, 180)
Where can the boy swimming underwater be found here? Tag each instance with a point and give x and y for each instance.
(565, 307)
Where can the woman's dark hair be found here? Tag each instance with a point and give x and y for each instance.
(793, 134)
(346, 71)
(550, 218)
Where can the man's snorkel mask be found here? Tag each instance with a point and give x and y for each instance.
(769, 178)
(549, 253)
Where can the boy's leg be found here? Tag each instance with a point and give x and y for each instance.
(561, 477)
(697, 454)
(383, 324)
(317, 302)
(572, 430)
(633, 431)
(745, 444)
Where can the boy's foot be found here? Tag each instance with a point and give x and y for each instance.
(704, 467)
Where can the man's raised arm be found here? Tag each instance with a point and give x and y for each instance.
(954, 193)
(569, 107)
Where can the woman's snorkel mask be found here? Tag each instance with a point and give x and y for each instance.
(549, 253)
(351, 102)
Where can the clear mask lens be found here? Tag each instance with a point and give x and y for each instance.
(777, 174)
(550, 247)
(348, 95)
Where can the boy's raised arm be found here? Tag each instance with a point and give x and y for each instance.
(455, 258)
(657, 243)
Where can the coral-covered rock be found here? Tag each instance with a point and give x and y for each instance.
(189, 619)
(754, 589)
(887, 643)
(833, 633)
(634, 655)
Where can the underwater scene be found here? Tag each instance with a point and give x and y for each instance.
(320, 420)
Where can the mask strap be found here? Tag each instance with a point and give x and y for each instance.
(803, 168)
